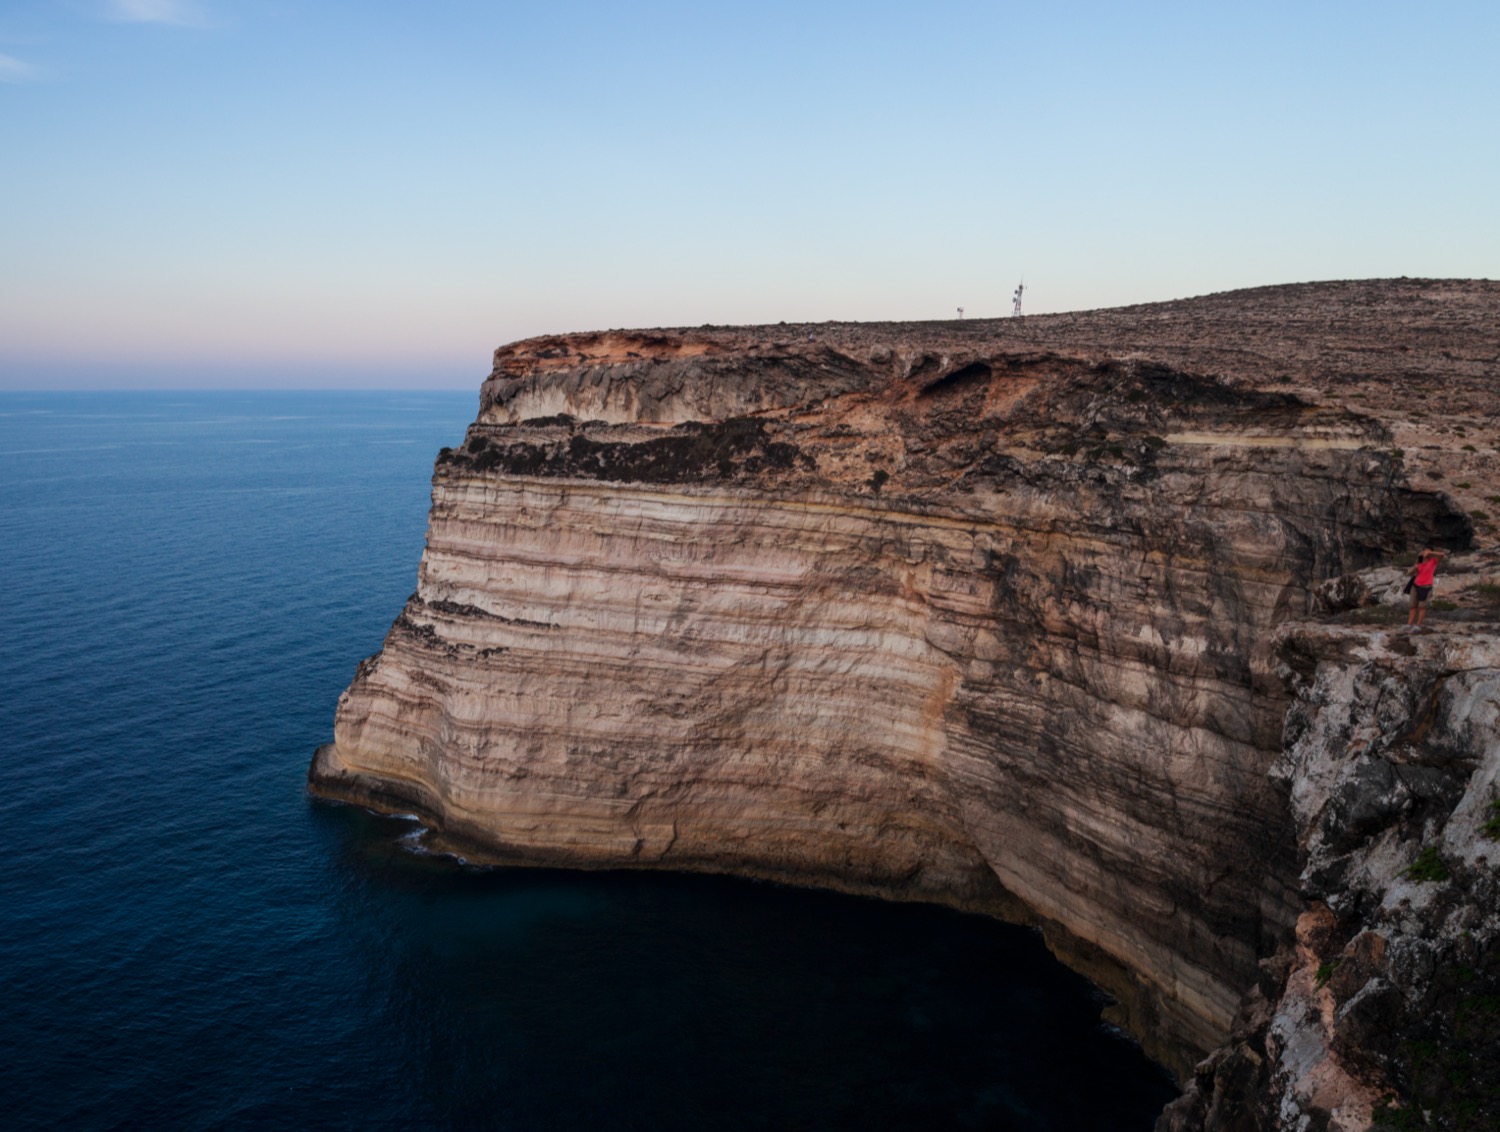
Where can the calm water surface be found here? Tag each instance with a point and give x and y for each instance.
(188, 581)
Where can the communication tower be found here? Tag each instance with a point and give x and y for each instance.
(1016, 299)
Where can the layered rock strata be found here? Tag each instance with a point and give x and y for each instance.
(978, 613)
(968, 620)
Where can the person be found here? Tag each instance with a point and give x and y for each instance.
(1422, 575)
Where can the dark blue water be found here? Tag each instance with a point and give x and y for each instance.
(187, 582)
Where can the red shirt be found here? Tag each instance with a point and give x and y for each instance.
(1426, 571)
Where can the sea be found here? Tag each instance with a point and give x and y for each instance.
(190, 942)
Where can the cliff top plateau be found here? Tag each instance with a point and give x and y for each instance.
(1421, 356)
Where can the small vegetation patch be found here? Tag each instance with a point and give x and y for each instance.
(1479, 515)
(1491, 826)
(1428, 866)
(1443, 605)
(1372, 615)
(1325, 972)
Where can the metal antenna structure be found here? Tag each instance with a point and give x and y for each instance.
(960, 312)
(1016, 299)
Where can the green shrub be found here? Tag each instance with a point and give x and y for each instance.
(1443, 605)
(1428, 866)
(1479, 515)
(1470, 448)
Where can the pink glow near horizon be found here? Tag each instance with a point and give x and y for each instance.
(216, 185)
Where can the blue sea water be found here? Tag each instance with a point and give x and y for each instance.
(188, 581)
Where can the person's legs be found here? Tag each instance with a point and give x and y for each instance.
(1418, 610)
(1420, 597)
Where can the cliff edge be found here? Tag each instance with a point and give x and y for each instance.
(987, 613)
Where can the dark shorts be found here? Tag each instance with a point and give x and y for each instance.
(1420, 594)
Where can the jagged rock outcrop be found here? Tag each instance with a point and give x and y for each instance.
(956, 613)
(1385, 1008)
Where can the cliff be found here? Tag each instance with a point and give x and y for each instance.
(987, 613)
(1386, 1003)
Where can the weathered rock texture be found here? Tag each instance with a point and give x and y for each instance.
(1387, 1003)
(981, 613)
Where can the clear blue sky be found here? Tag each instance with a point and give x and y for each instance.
(242, 192)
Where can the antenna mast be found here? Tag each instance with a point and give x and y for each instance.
(1016, 299)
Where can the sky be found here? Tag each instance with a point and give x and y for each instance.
(331, 193)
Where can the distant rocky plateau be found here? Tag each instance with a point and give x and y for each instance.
(1090, 621)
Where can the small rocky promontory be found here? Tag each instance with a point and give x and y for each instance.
(1084, 620)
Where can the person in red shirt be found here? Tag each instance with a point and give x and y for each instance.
(1422, 575)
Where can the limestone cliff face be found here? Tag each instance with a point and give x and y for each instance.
(946, 617)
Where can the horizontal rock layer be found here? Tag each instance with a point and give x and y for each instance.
(987, 626)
